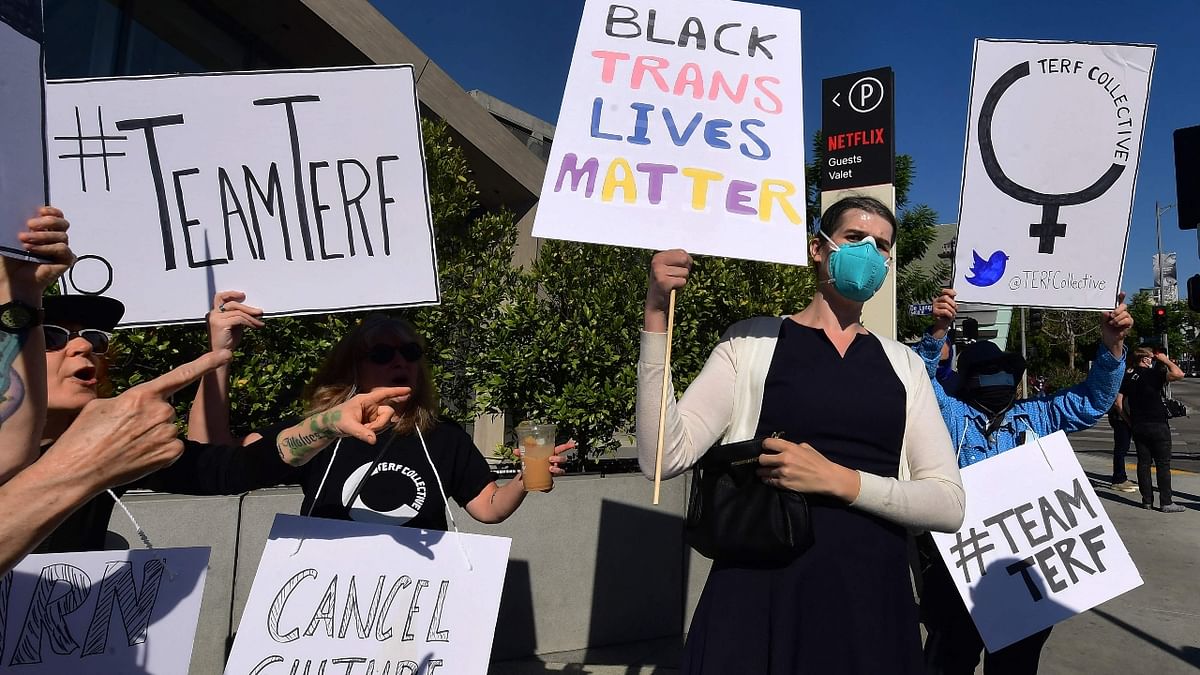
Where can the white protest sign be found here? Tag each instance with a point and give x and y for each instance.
(681, 126)
(22, 147)
(103, 612)
(330, 594)
(1036, 546)
(1053, 141)
(306, 189)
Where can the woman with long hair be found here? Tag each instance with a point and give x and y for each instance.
(413, 467)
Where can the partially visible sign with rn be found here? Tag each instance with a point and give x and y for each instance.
(103, 612)
(306, 189)
(681, 126)
(339, 596)
(858, 121)
(22, 146)
(1054, 137)
(1036, 546)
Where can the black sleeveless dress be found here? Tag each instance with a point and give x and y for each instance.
(846, 606)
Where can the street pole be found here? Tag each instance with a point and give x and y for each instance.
(1158, 232)
(1024, 380)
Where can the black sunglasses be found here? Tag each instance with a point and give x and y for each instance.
(383, 354)
(57, 338)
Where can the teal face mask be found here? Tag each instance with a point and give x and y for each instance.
(856, 269)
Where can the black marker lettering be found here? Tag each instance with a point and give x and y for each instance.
(274, 191)
(189, 223)
(148, 125)
(229, 194)
(319, 207)
(384, 200)
(297, 172)
(347, 201)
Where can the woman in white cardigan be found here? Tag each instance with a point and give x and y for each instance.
(865, 443)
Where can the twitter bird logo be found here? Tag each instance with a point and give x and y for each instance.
(987, 272)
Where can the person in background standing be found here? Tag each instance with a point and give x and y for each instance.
(1122, 435)
(1141, 402)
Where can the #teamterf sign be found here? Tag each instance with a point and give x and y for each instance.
(338, 596)
(22, 150)
(103, 612)
(1036, 546)
(681, 126)
(306, 189)
(1053, 141)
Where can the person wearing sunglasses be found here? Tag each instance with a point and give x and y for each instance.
(985, 418)
(78, 334)
(413, 469)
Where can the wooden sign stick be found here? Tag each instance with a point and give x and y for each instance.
(662, 406)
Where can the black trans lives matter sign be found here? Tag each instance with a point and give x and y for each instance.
(857, 119)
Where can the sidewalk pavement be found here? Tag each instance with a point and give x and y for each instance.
(1154, 628)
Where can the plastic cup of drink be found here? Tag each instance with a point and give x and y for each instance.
(537, 446)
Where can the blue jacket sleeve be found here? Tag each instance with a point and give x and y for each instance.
(929, 349)
(1080, 407)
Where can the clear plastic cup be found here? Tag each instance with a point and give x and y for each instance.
(537, 446)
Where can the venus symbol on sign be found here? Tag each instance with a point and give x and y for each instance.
(1049, 228)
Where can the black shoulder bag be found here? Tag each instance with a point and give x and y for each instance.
(734, 517)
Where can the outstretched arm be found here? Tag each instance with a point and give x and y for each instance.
(112, 442)
(363, 417)
(496, 503)
(1081, 406)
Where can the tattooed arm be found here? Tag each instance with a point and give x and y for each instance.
(23, 355)
(362, 417)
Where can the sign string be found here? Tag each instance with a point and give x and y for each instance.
(171, 575)
(445, 501)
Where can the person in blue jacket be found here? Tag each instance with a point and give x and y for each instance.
(985, 418)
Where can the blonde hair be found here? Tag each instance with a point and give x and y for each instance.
(336, 380)
(1143, 353)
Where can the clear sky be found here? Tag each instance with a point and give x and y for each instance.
(520, 52)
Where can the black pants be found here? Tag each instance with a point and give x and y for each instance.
(1153, 441)
(1122, 434)
(953, 645)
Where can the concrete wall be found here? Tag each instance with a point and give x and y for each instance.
(592, 563)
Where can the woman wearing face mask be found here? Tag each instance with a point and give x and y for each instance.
(985, 418)
(865, 445)
(406, 476)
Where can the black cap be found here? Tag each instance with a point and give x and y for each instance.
(985, 356)
(89, 311)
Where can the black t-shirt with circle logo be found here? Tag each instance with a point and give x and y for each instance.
(391, 482)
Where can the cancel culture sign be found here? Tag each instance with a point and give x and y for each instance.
(360, 599)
